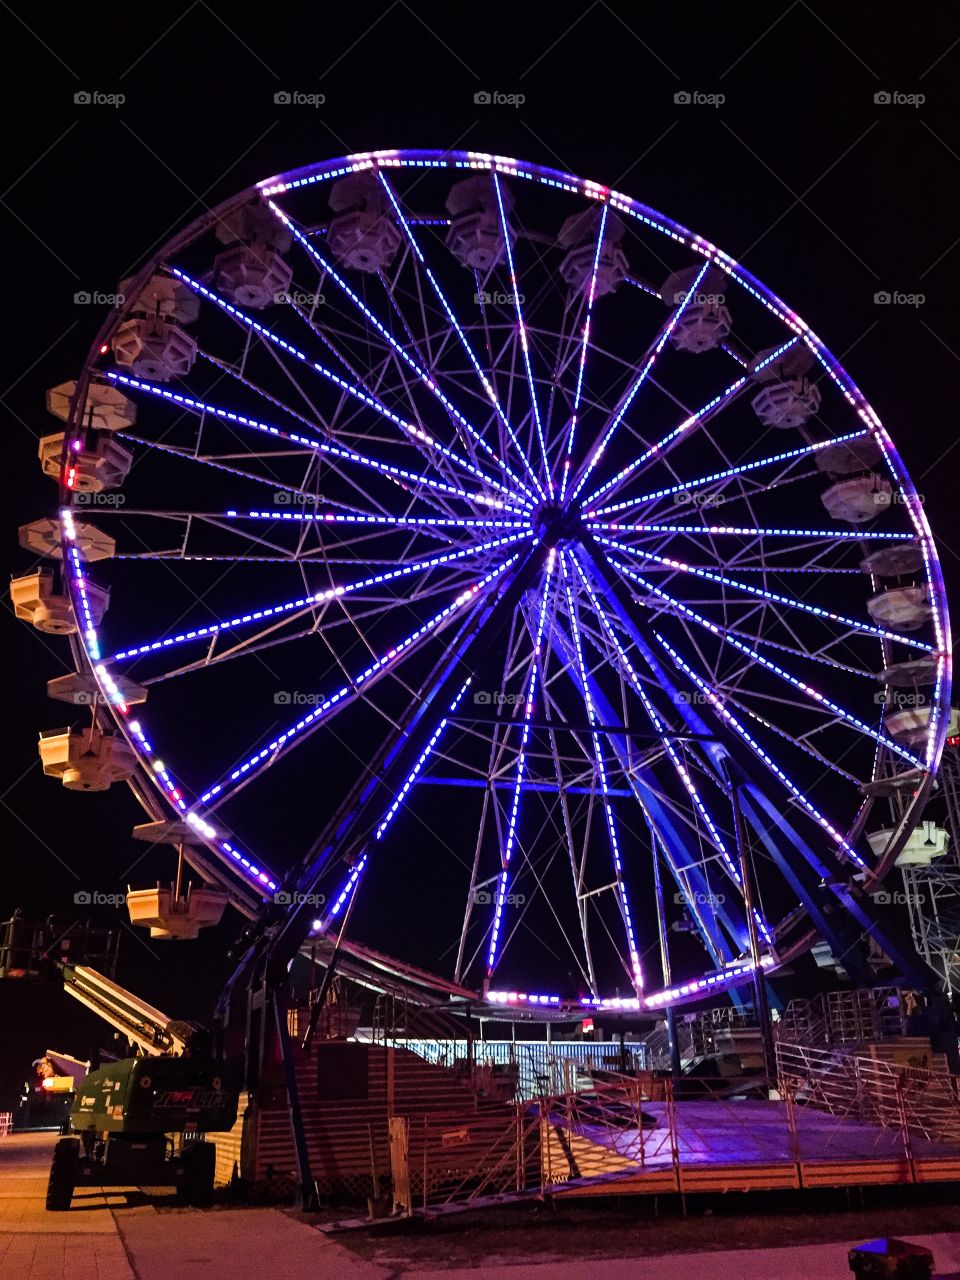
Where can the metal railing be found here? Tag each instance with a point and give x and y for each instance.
(845, 1017)
(918, 1103)
(521, 1070)
(839, 1119)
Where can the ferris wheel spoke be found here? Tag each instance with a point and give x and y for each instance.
(636, 971)
(809, 692)
(306, 603)
(625, 665)
(702, 415)
(628, 397)
(584, 348)
(325, 447)
(413, 434)
(750, 531)
(522, 332)
(772, 596)
(787, 455)
(715, 699)
(484, 380)
(507, 850)
(387, 662)
(466, 430)
(440, 492)
(661, 729)
(350, 886)
(671, 605)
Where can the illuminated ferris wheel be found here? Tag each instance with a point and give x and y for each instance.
(558, 507)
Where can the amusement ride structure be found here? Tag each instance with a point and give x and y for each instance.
(556, 505)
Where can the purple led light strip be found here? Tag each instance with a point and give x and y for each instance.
(584, 348)
(464, 341)
(524, 345)
(320, 597)
(401, 351)
(637, 971)
(394, 808)
(521, 769)
(717, 702)
(135, 730)
(786, 456)
(785, 675)
(625, 404)
(774, 596)
(313, 717)
(729, 976)
(320, 446)
(662, 732)
(701, 414)
(408, 428)
(752, 531)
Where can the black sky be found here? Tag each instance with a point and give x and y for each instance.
(827, 194)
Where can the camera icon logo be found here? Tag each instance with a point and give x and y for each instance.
(882, 298)
(482, 98)
(882, 98)
(882, 898)
(282, 98)
(82, 98)
(682, 98)
(482, 698)
(82, 298)
(482, 898)
(82, 898)
(282, 898)
(282, 698)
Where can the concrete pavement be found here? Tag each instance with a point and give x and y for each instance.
(108, 1236)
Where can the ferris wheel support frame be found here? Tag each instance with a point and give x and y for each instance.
(275, 937)
(820, 880)
(146, 784)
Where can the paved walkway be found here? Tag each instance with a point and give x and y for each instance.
(108, 1236)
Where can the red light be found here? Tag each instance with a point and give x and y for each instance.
(104, 348)
(586, 1026)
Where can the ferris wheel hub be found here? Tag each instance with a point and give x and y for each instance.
(557, 525)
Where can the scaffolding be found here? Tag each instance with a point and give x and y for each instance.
(932, 889)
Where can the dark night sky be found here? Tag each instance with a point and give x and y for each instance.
(825, 194)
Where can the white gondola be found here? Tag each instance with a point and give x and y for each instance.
(924, 845)
(90, 759)
(900, 608)
(894, 562)
(106, 408)
(36, 600)
(43, 538)
(170, 917)
(578, 236)
(705, 320)
(848, 457)
(362, 235)
(80, 689)
(102, 464)
(859, 499)
(475, 237)
(788, 397)
(251, 276)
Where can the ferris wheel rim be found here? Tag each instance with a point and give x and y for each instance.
(508, 167)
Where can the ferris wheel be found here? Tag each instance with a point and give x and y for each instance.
(463, 547)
